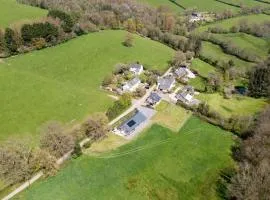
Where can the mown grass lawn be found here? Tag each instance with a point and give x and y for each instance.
(214, 52)
(11, 11)
(160, 164)
(198, 83)
(242, 106)
(203, 68)
(63, 82)
(171, 116)
(228, 23)
(255, 45)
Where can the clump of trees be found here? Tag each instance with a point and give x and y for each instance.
(251, 179)
(119, 106)
(19, 160)
(259, 80)
(129, 39)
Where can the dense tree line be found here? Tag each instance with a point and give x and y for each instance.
(158, 24)
(259, 80)
(251, 180)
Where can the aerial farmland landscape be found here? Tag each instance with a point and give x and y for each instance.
(135, 99)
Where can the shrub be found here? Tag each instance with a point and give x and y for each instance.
(119, 106)
(67, 21)
(39, 43)
(45, 30)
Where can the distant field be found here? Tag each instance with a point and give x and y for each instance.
(249, 3)
(243, 106)
(169, 4)
(11, 12)
(160, 164)
(257, 46)
(228, 23)
(203, 68)
(206, 5)
(213, 51)
(63, 82)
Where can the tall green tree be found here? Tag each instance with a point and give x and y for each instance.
(11, 41)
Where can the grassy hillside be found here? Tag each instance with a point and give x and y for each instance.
(257, 46)
(228, 23)
(168, 3)
(203, 68)
(11, 12)
(213, 51)
(244, 106)
(63, 83)
(160, 164)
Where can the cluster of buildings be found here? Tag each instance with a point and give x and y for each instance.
(165, 86)
(133, 84)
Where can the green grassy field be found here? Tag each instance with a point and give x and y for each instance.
(198, 83)
(213, 51)
(203, 68)
(256, 45)
(249, 3)
(169, 4)
(11, 12)
(206, 5)
(243, 106)
(228, 23)
(171, 116)
(63, 82)
(160, 164)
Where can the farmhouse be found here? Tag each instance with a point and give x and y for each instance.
(137, 69)
(184, 73)
(131, 124)
(153, 99)
(186, 96)
(165, 84)
(131, 85)
(195, 16)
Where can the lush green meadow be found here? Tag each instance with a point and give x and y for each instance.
(241, 105)
(258, 46)
(203, 68)
(11, 12)
(228, 23)
(160, 164)
(212, 51)
(167, 3)
(63, 82)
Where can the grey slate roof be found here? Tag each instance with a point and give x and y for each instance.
(130, 125)
(165, 82)
(180, 72)
(153, 98)
(136, 67)
(133, 82)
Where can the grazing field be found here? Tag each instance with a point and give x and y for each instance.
(206, 5)
(171, 116)
(214, 52)
(255, 45)
(228, 23)
(160, 164)
(243, 106)
(167, 3)
(203, 68)
(198, 83)
(11, 12)
(63, 82)
(249, 3)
